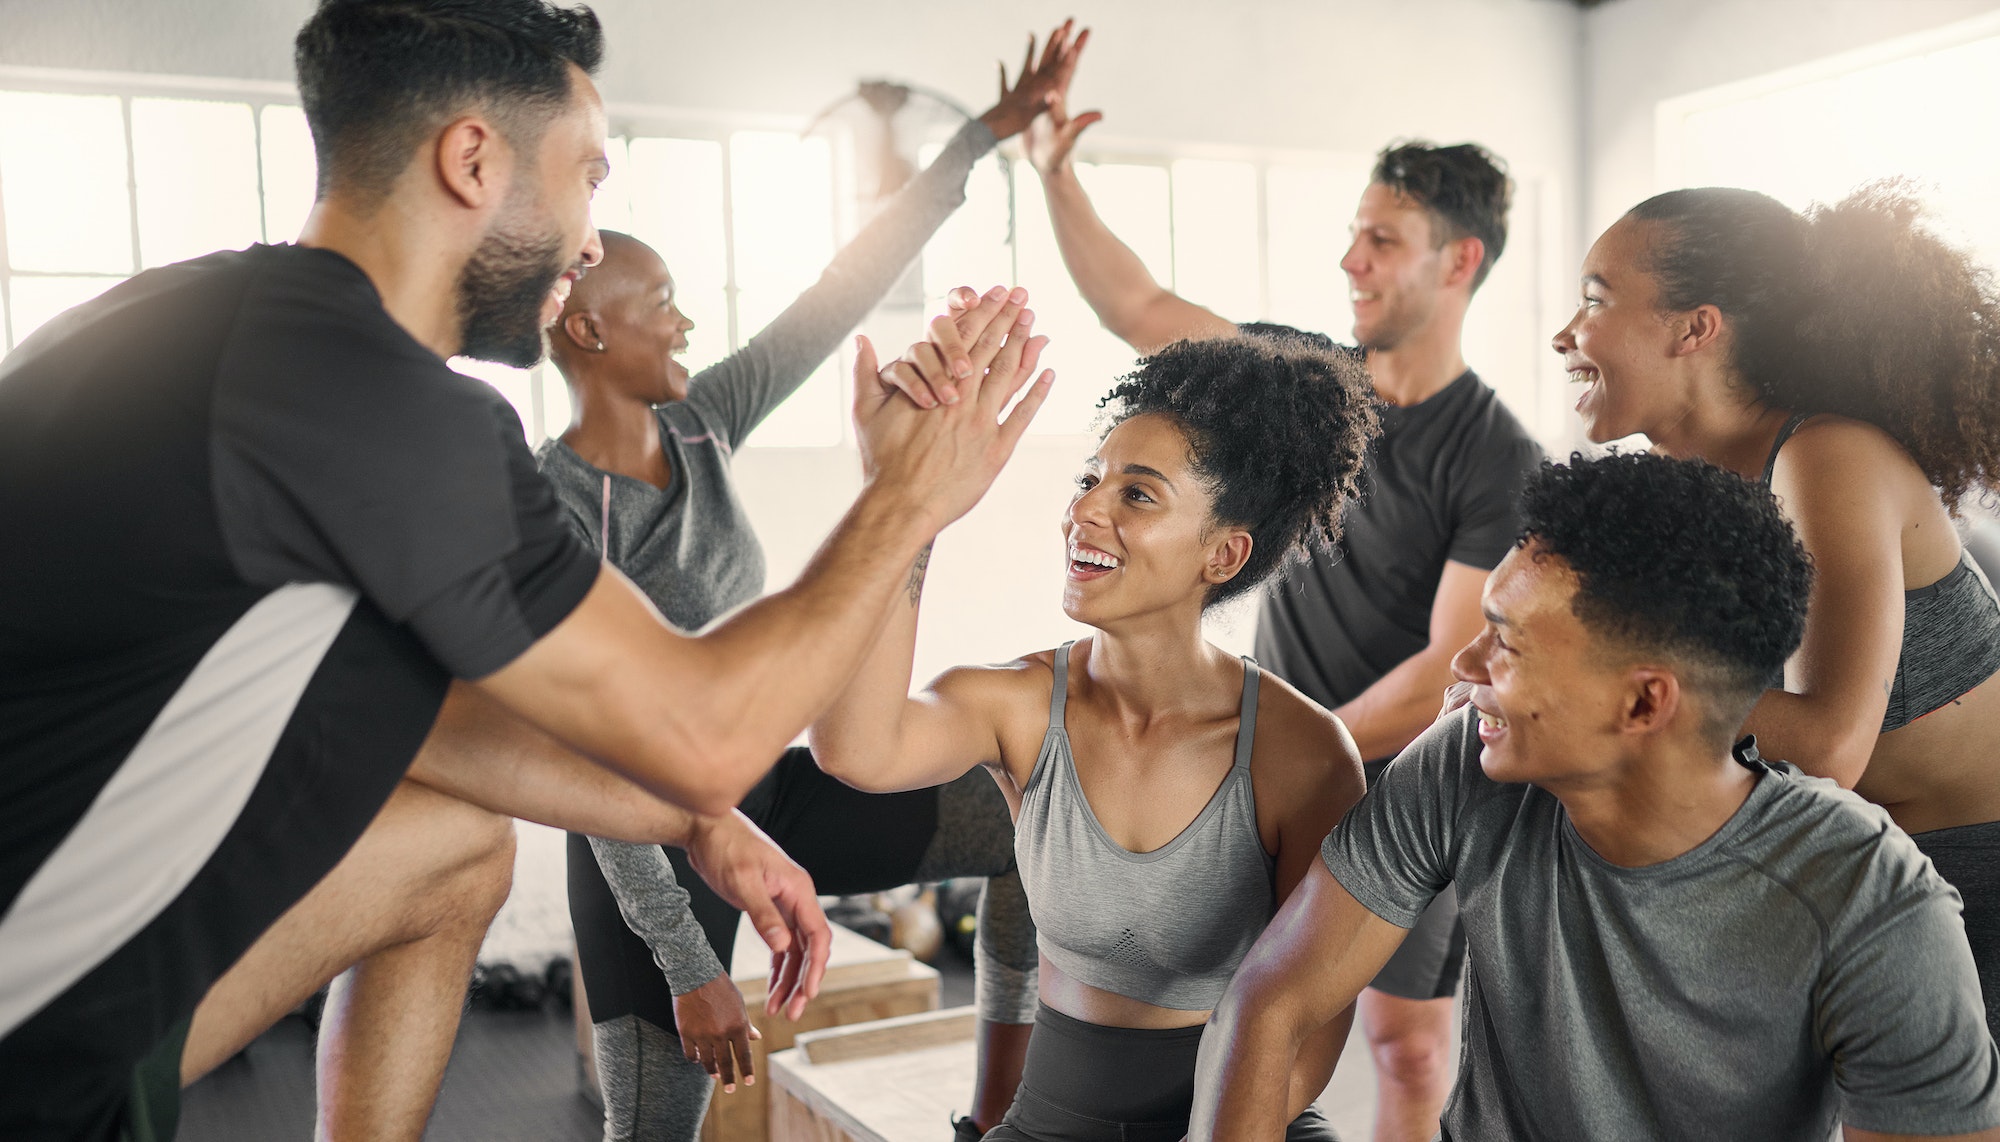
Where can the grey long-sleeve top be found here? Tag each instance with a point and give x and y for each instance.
(689, 545)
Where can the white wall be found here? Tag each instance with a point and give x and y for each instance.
(1638, 52)
(1323, 74)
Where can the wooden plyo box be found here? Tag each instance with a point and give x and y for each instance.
(865, 982)
(894, 1081)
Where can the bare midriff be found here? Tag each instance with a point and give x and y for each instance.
(1079, 1000)
(1940, 770)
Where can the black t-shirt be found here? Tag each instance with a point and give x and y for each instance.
(1442, 483)
(251, 529)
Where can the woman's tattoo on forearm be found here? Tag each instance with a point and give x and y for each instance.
(917, 572)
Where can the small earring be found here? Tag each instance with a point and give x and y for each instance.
(600, 346)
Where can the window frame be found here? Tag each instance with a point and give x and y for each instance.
(630, 120)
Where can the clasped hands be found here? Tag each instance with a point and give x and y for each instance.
(930, 423)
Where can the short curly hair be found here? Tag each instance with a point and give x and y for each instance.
(1278, 425)
(1858, 309)
(1677, 557)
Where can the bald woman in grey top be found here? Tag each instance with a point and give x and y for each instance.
(644, 473)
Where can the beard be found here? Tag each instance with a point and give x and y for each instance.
(502, 288)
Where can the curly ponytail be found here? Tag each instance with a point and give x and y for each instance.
(1857, 309)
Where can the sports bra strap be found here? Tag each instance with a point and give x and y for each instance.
(1060, 694)
(1246, 722)
(1791, 425)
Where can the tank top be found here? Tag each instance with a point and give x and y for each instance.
(1951, 629)
(1165, 927)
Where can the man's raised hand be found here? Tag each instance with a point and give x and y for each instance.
(1052, 135)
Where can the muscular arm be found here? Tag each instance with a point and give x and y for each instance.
(1318, 781)
(1391, 713)
(877, 737)
(618, 683)
(1833, 483)
(1117, 285)
(1119, 288)
(1318, 953)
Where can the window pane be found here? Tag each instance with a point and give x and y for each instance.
(33, 301)
(1307, 213)
(290, 171)
(1215, 237)
(812, 416)
(781, 195)
(517, 385)
(1132, 200)
(676, 203)
(971, 248)
(1820, 139)
(611, 206)
(62, 170)
(1085, 356)
(196, 170)
(781, 189)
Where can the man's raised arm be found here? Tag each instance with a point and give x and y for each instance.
(1130, 303)
(1317, 954)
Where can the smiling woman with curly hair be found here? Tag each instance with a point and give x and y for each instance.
(1850, 359)
(1167, 796)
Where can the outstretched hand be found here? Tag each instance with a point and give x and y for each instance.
(749, 870)
(976, 360)
(1052, 135)
(1037, 82)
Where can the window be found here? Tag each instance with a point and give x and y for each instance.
(97, 185)
(1922, 107)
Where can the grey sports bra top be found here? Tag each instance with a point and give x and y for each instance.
(1951, 629)
(1165, 927)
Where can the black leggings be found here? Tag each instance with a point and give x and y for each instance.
(849, 841)
(1968, 858)
(1085, 1082)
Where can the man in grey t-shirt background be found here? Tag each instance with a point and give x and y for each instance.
(1669, 937)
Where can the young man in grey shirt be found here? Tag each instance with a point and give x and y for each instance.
(1670, 937)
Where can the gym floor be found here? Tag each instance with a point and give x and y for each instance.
(513, 1075)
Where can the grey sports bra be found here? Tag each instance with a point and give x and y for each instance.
(1951, 629)
(1166, 927)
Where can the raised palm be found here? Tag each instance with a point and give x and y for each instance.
(1040, 82)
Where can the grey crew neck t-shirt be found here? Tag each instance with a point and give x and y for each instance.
(1804, 965)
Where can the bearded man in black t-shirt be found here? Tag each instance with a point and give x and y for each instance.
(1369, 630)
(290, 625)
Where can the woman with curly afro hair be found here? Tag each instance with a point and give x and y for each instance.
(1848, 358)
(1167, 796)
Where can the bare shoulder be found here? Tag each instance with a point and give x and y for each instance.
(1301, 749)
(1014, 695)
(1838, 451)
(1008, 681)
